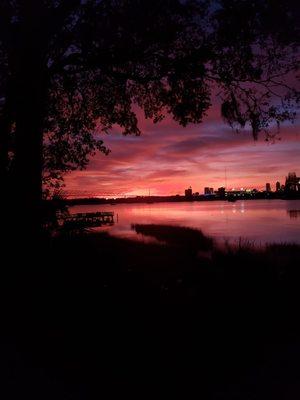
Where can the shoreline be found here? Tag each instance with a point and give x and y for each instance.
(167, 199)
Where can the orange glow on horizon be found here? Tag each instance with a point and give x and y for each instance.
(167, 158)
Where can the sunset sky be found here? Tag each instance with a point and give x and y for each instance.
(168, 158)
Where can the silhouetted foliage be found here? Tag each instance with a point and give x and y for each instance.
(192, 239)
(107, 315)
(71, 70)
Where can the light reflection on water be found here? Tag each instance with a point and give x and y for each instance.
(256, 220)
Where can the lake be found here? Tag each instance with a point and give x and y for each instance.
(260, 221)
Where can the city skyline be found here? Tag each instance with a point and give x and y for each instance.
(272, 187)
(168, 158)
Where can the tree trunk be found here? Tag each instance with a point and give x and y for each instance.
(29, 144)
(4, 131)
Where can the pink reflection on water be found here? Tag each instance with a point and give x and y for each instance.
(257, 220)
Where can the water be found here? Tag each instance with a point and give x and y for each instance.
(260, 221)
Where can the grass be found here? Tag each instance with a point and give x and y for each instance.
(104, 317)
(188, 238)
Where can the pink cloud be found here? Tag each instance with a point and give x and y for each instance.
(167, 158)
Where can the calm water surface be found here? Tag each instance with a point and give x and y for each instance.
(260, 221)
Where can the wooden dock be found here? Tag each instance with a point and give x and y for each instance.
(88, 220)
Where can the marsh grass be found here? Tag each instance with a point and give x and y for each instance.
(120, 317)
(184, 237)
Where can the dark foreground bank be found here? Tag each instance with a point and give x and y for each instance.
(93, 316)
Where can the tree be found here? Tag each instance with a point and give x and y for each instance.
(72, 69)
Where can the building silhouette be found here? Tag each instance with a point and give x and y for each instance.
(221, 192)
(292, 183)
(188, 192)
(268, 187)
(208, 190)
(278, 186)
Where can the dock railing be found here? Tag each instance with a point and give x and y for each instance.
(86, 220)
